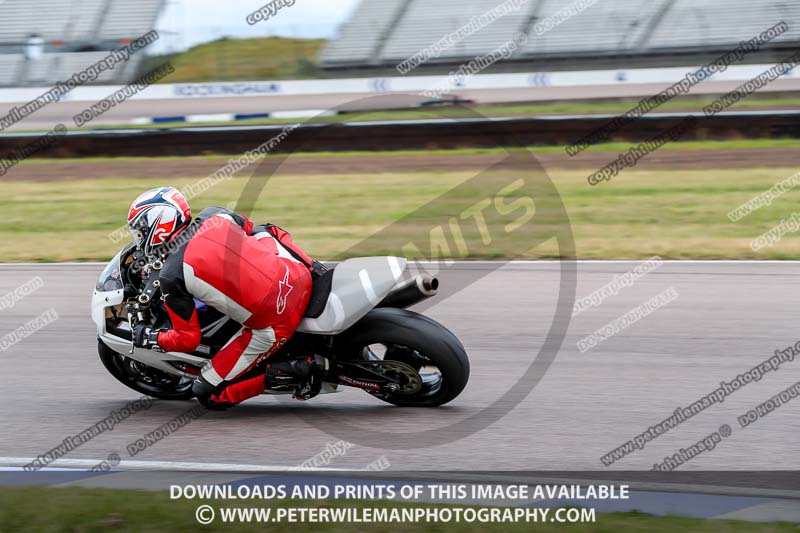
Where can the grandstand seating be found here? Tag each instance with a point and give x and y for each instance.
(84, 17)
(54, 20)
(75, 34)
(424, 23)
(603, 26)
(125, 19)
(362, 34)
(10, 68)
(385, 32)
(689, 23)
(62, 66)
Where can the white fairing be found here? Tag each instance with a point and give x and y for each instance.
(358, 285)
(103, 299)
(109, 292)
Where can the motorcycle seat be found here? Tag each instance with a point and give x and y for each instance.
(320, 290)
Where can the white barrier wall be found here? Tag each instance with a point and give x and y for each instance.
(408, 84)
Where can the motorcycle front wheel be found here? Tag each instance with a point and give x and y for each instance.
(144, 379)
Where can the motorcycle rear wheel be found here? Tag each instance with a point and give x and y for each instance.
(414, 339)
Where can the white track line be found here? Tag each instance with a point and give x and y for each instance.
(16, 464)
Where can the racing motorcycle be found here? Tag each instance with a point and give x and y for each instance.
(357, 318)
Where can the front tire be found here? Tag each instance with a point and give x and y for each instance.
(418, 341)
(142, 378)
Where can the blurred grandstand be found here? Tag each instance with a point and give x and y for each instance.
(608, 34)
(46, 41)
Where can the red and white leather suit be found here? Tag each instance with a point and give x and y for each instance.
(245, 273)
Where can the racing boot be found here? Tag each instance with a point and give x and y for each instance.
(206, 394)
(303, 374)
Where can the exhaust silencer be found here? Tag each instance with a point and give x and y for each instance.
(410, 292)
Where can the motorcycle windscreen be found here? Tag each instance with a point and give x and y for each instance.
(111, 277)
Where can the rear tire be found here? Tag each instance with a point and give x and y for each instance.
(416, 340)
(122, 368)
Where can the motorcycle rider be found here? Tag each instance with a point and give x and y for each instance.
(255, 275)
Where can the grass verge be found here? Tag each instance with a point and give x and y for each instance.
(243, 60)
(640, 213)
(92, 510)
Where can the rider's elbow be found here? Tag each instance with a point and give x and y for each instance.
(180, 341)
(192, 340)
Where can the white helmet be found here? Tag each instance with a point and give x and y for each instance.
(156, 216)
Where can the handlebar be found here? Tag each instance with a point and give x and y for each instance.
(138, 307)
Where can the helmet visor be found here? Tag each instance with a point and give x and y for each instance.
(138, 237)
